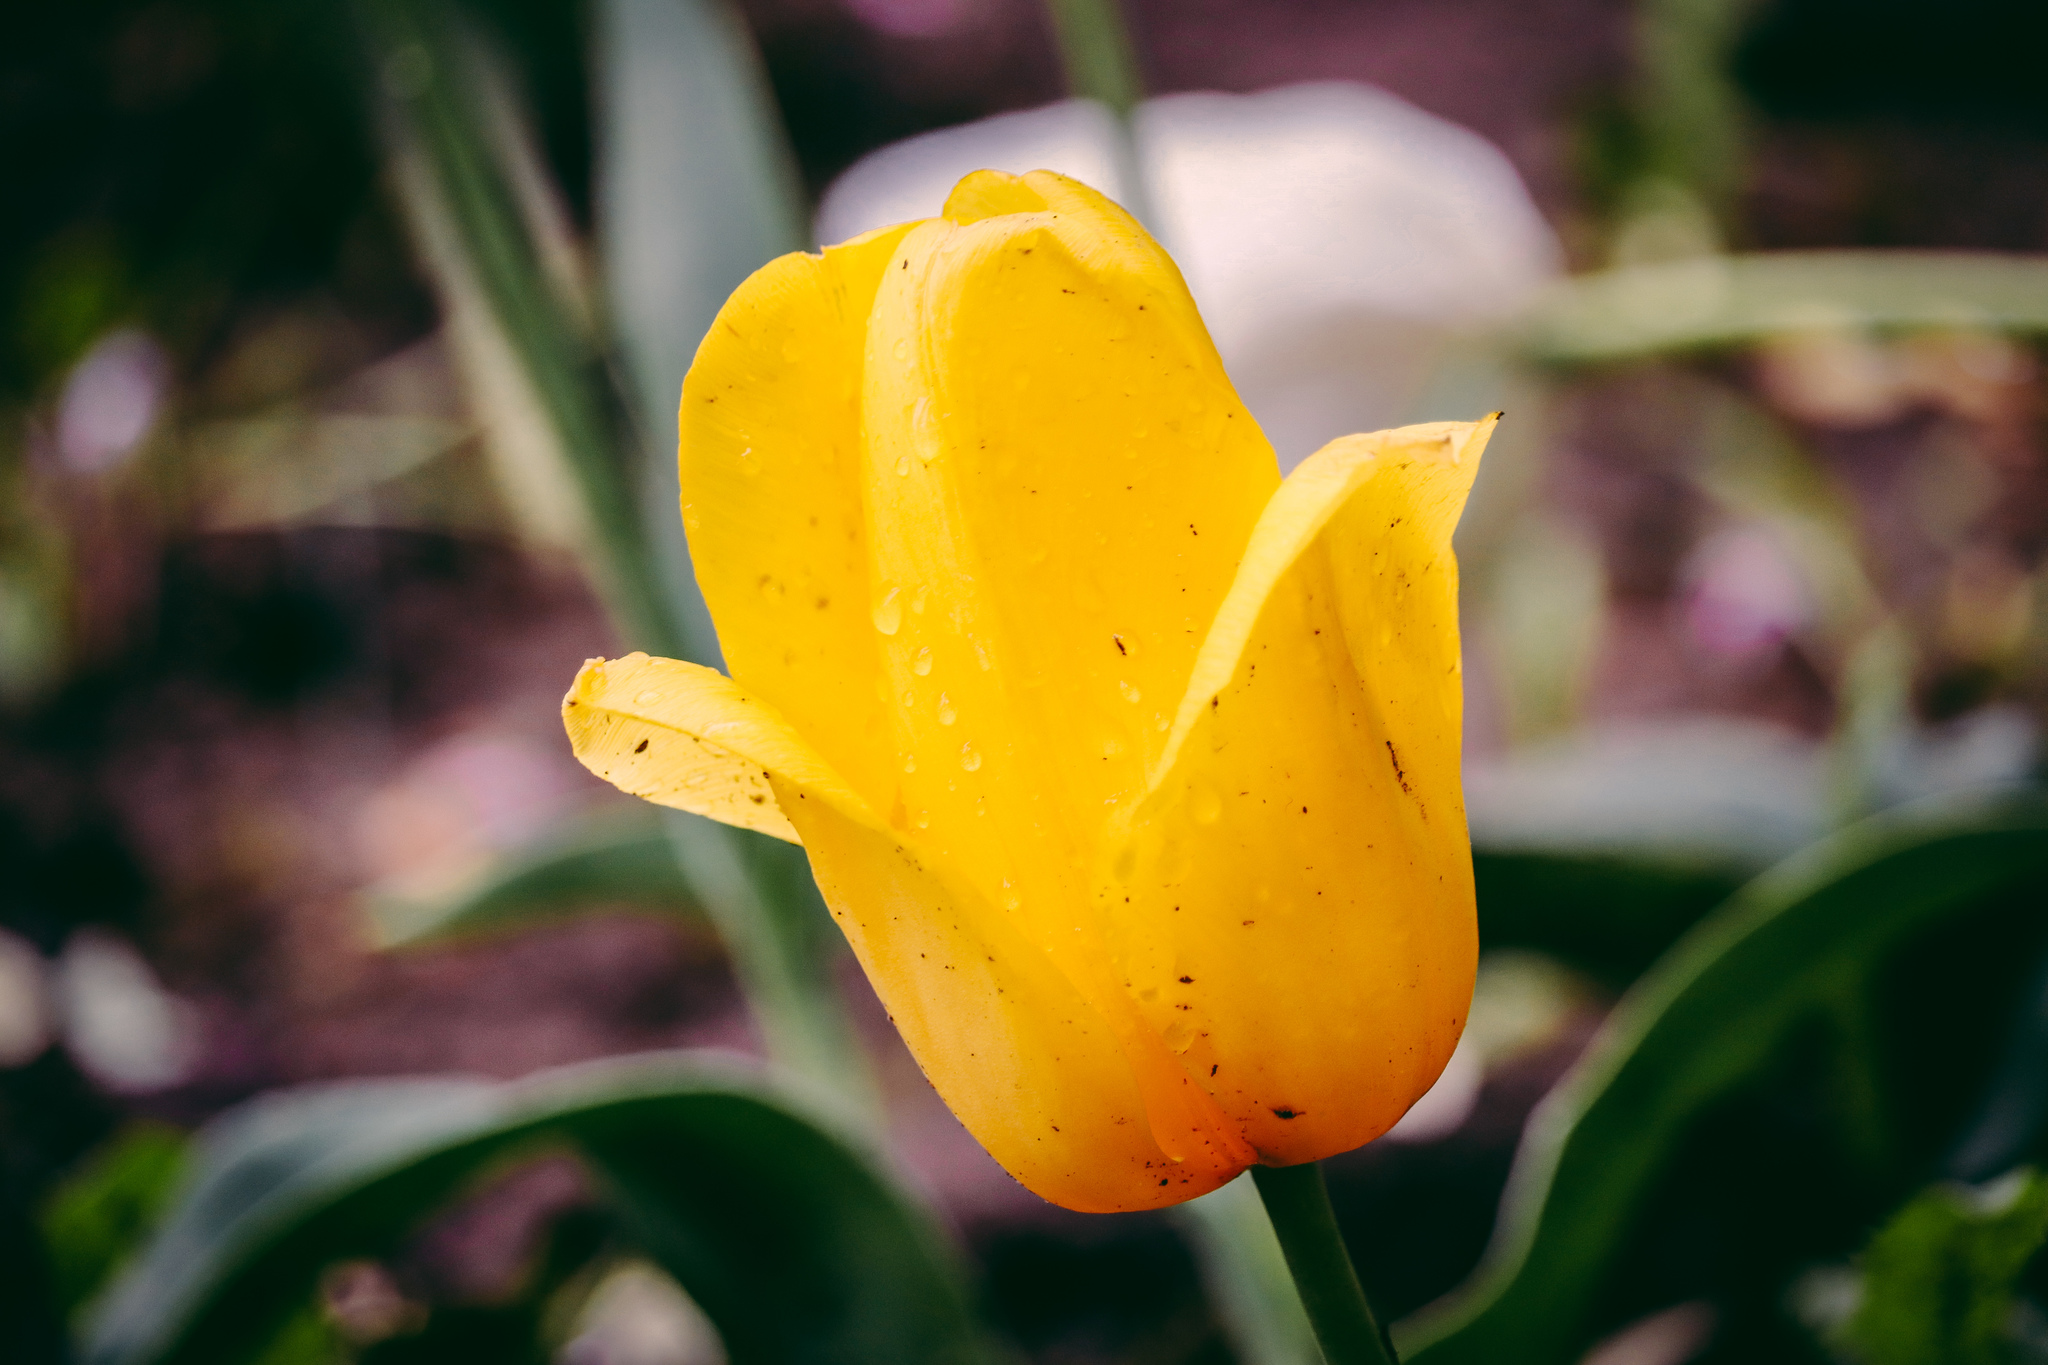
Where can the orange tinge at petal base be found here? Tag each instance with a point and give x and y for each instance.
(1129, 769)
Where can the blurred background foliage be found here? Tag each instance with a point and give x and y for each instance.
(342, 1019)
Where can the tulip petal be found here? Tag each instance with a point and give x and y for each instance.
(1060, 480)
(1034, 1071)
(682, 735)
(770, 466)
(1293, 903)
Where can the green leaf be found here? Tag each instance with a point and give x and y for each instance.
(1609, 916)
(622, 857)
(102, 1211)
(544, 382)
(682, 221)
(786, 1232)
(1714, 1012)
(1720, 301)
(1938, 1279)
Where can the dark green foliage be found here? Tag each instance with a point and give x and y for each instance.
(1780, 970)
(1938, 1279)
(791, 1239)
(98, 1217)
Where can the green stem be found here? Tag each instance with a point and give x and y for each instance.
(1095, 50)
(1299, 1205)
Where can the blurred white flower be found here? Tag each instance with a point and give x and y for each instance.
(24, 1001)
(639, 1316)
(111, 400)
(1336, 238)
(118, 1022)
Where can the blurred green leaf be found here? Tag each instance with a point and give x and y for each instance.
(791, 1238)
(479, 209)
(1609, 916)
(1714, 1011)
(1719, 301)
(1939, 1278)
(682, 221)
(100, 1214)
(479, 206)
(622, 857)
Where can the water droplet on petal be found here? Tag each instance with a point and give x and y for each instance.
(748, 462)
(922, 664)
(910, 763)
(1204, 805)
(924, 820)
(901, 350)
(1130, 693)
(1178, 1034)
(1011, 900)
(981, 656)
(903, 466)
(889, 612)
(652, 694)
(917, 602)
(970, 757)
(947, 715)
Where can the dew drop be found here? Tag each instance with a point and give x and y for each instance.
(1011, 900)
(1204, 805)
(924, 820)
(748, 462)
(889, 612)
(1178, 1034)
(922, 664)
(903, 466)
(947, 715)
(981, 656)
(909, 699)
(652, 694)
(970, 757)
(910, 763)
(1112, 746)
(901, 350)
(917, 601)
(1130, 693)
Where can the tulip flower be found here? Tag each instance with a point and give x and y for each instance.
(1129, 770)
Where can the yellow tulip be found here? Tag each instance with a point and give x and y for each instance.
(1129, 770)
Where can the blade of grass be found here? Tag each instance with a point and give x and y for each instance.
(476, 203)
